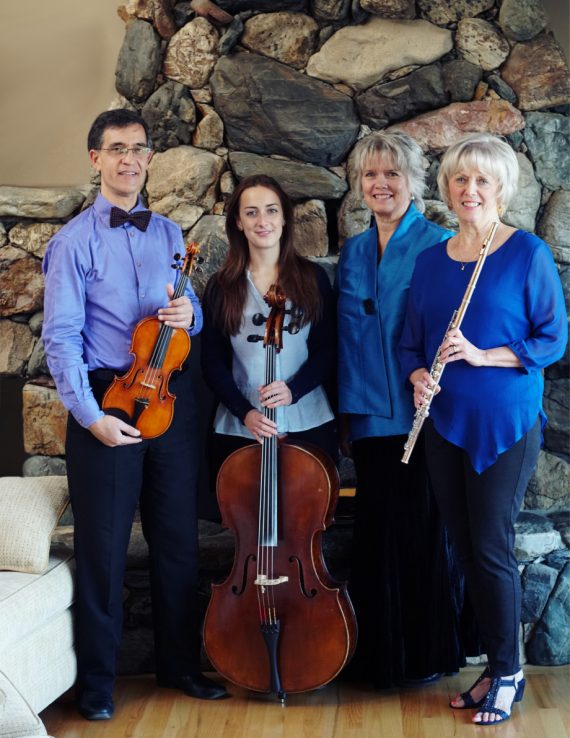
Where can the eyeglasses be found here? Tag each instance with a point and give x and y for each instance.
(137, 151)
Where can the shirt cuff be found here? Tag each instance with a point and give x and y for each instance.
(87, 413)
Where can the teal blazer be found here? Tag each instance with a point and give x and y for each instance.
(372, 301)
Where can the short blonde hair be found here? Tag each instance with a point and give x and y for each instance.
(487, 153)
(406, 154)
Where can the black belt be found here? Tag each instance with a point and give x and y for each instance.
(105, 375)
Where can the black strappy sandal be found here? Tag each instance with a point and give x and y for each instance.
(489, 703)
(468, 701)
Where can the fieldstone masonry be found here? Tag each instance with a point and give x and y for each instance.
(241, 86)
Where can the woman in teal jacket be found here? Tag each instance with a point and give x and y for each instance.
(404, 586)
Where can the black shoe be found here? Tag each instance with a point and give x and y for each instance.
(430, 679)
(95, 706)
(194, 686)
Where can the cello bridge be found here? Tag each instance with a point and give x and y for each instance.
(264, 581)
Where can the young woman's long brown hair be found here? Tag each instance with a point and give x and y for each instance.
(228, 289)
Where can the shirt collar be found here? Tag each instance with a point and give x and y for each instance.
(102, 208)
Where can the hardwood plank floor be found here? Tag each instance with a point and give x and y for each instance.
(339, 710)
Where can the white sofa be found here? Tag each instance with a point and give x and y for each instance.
(37, 659)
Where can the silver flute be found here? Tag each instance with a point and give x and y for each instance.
(437, 367)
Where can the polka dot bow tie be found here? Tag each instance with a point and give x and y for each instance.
(140, 218)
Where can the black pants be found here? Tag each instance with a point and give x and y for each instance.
(106, 484)
(480, 511)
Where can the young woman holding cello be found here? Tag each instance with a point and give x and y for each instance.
(279, 623)
(261, 253)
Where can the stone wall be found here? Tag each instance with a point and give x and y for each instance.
(287, 88)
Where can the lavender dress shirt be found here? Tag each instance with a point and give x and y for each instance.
(99, 283)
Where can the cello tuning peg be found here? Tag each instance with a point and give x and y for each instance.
(254, 338)
(295, 312)
(258, 319)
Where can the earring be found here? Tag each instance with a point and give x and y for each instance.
(501, 210)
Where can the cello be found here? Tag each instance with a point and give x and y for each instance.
(279, 623)
(141, 396)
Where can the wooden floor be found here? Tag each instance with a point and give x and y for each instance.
(339, 710)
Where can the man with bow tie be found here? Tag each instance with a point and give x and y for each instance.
(105, 270)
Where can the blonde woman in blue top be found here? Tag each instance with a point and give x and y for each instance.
(484, 431)
(402, 582)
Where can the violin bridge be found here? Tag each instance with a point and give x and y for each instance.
(263, 580)
(147, 384)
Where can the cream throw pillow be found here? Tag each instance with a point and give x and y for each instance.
(17, 719)
(30, 508)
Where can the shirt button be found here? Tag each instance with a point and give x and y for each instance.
(131, 233)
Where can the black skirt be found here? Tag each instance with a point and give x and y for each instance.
(405, 582)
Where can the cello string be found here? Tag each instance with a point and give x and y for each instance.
(273, 490)
(268, 489)
(263, 504)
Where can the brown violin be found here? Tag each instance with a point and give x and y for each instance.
(141, 396)
(279, 623)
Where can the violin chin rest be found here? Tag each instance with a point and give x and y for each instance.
(116, 412)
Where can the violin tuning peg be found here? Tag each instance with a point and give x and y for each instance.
(292, 328)
(254, 339)
(176, 257)
(258, 319)
(199, 260)
(175, 266)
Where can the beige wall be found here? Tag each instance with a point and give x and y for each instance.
(57, 72)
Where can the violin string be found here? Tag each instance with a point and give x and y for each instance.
(164, 335)
(161, 346)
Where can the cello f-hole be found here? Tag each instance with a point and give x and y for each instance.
(238, 591)
(308, 594)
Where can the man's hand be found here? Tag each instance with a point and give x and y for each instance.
(113, 432)
(178, 313)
